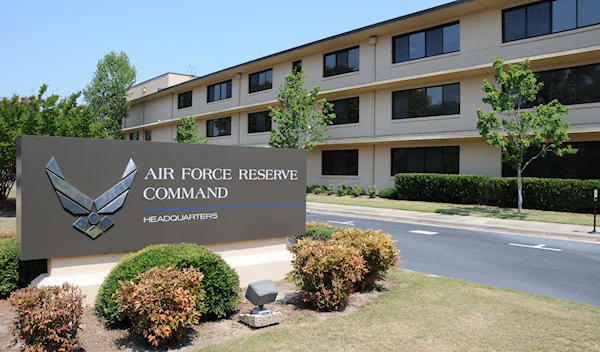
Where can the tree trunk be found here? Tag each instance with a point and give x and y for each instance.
(520, 186)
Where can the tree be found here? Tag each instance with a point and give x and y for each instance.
(43, 116)
(517, 131)
(301, 119)
(107, 92)
(187, 132)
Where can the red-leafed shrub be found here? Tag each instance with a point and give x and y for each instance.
(377, 249)
(162, 303)
(326, 272)
(47, 318)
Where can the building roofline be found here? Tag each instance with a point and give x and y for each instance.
(164, 74)
(354, 31)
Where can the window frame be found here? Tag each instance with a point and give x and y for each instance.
(295, 64)
(336, 53)
(229, 90)
(208, 135)
(339, 151)
(137, 134)
(250, 91)
(267, 118)
(346, 101)
(146, 134)
(443, 148)
(443, 105)
(179, 105)
(424, 31)
(551, 19)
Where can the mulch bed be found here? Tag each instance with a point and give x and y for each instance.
(97, 338)
(8, 207)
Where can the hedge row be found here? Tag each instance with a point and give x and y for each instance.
(15, 273)
(538, 193)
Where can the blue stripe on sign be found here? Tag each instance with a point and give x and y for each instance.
(153, 210)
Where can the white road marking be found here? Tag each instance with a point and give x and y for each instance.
(422, 232)
(351, 223)
(539, 246)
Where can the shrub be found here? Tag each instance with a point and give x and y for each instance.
(357, 190)
(372, 191)
(162, 303)
(221, 283)
(15, 273)
(48, 317)
(330, 190)
(377, 249)
(461, 189)
(318, 189)
(344, 190)
(326, 272)
(309, 188)
(388, 193)
(318, 231)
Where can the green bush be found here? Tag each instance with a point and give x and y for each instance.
(330, 190)
(388, 193)
(344, 190)
(15, 273)
(326, 272)
(162, 303)
(460, 189)
(318, 231)
(372, 191)
(221, 283)
(309, 188)
(357, 190)
(47, 317)
(377, 249)
(318, 189)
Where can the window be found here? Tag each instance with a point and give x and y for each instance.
(437, 160)
(340, 62)
(346, 111)
(339, 162)
(431, 101)
(219, 91)
(184, 100)
(431, 42)
(218, 127)
(297, 66)
(134, 136)
(259, 122)
(548, 16)
(148, 135)
(262, 80)
(575, 85)
(584, 165)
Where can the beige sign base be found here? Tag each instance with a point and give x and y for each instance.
(253, 261)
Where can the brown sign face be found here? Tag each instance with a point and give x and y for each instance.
(86, 196)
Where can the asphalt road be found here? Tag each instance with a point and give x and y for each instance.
(557, 268)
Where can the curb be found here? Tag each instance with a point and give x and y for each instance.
(581, 237)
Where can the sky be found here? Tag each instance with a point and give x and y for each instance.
(60, 42)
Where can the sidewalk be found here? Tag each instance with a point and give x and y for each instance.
(521, 227)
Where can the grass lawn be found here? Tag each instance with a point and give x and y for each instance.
(427, 313)
(458, 209)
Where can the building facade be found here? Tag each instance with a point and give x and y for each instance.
(406, 91)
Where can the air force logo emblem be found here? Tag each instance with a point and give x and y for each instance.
(78, 203)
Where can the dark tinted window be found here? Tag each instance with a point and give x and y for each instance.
(583, 165)
(575, 85)
(218, 127)
(339, 162)
(219, 91)
(549, 16)
(259, 122)
(430, 42)
(342, 61)
(588, 12)
(148, 135)
(564, 15)
(262, 80)
(438, 160)
(430, 101)
(184, 100)
(134, 136)
(297, 66)
(346, 111)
